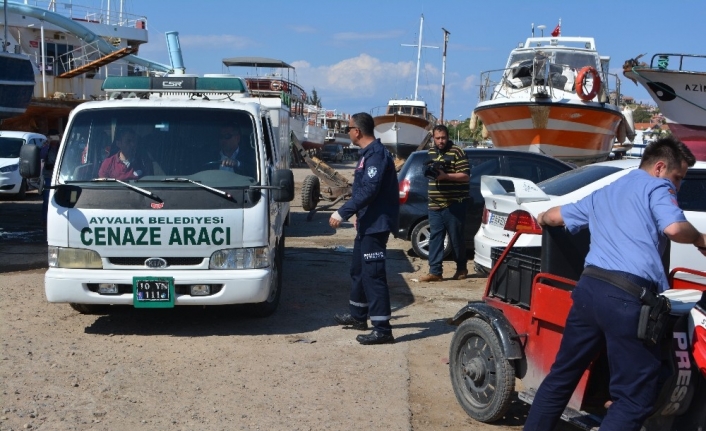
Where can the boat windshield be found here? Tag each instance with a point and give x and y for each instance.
(212, 146)
(416, 111)
(574, 59)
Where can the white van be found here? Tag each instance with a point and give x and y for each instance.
(174, 191)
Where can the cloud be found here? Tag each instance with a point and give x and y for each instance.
(469, 83)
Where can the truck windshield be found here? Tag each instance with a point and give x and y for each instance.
(211, 146)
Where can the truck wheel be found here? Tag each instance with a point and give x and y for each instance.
(311, 190)
(420, 240)
(266, 308)
(90, 308)
(482, 377)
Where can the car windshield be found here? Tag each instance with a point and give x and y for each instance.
(10, 147)
(211, 146)
(573, 180)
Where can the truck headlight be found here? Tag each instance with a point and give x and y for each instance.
(75, 258)
(240, 258)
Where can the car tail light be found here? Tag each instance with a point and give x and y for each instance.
(404, 190)
(698, 314)
(486, 214)
(521, 221)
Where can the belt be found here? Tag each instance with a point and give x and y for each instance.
(644, 294)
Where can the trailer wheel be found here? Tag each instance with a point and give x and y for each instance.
(420, 240)
(311, 190)
(482, 377)
(89, 308)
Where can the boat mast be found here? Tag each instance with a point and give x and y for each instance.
(443, 74)
(4, 11)
(419, 56)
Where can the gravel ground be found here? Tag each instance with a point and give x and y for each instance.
(212, 369)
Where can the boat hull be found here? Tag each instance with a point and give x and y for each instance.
(401, 134)
(573, 131)
(16, 84)
(311, 137)
(681, 98)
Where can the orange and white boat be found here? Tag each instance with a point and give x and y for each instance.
(552, 97)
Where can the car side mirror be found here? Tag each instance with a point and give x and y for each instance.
(30, 162)
(284, 181)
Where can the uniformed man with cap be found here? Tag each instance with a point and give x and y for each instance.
(375, 203)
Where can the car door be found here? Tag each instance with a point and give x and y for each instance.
(692, 200)
(480, 164)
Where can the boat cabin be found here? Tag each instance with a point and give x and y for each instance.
(415, 108)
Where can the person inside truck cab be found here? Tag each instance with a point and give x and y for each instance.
(126, 163)
(236, 155)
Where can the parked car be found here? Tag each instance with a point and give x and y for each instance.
(11, 183)
(414, 222)
(332, 153)
(507, 212)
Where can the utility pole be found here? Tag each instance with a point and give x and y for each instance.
(443, 74)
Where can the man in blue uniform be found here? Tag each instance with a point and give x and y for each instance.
(375, 203)
(603, 315)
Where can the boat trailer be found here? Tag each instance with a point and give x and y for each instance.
(326, 184)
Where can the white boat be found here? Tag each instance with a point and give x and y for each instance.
(336, 123)
(406, 123)
(279, 80)
(677, 83)
(552, 97)
(73, 47)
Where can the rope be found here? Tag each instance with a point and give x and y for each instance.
(666, 90)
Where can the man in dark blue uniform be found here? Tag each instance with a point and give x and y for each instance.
(375, 203)
(603, 315)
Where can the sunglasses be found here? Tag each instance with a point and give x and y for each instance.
(349, 128)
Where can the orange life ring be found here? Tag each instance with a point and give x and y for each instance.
(581, 82)
(276, 85)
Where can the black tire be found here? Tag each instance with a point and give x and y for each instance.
(482, 377)
(311, 191)
(90, 308)
(420, 240)
(269, 306)
(23, 189)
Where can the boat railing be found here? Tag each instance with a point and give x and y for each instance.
(84, 13)
(661, 61)
(541, 80)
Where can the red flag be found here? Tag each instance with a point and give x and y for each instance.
(557, 30)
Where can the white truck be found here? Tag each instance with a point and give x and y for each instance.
(191, 212)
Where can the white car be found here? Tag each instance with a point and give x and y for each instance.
(505, 213)
(11, 183)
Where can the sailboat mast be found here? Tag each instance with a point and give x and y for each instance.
(443, 73)
(419, 56)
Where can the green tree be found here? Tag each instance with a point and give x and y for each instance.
(314, 98)
(641, 115)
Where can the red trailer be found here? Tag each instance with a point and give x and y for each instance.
(515, 332)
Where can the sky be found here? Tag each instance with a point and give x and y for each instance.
(352, 53)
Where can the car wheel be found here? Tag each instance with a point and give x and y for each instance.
(420, 240)
(311, 190)
(23, 189)
(482, 377)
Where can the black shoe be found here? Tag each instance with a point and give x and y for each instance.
(348, 320)
(375, 337)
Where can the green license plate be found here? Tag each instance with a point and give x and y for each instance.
(153, 292)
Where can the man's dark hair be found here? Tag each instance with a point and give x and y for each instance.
(670, 150)
(365, 123)
(441, 128)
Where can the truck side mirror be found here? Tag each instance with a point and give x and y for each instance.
(284, 179)
(30, 162)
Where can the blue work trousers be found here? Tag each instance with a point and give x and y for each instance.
(370, 296)
(449, 220)
(602, 316)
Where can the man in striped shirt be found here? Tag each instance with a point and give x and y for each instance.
(448, 197)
